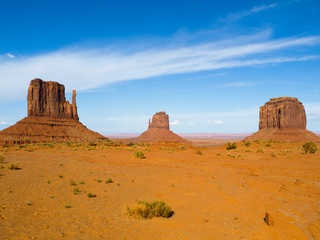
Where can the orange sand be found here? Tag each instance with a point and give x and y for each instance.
(217, 195)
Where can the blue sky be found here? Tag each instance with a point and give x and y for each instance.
(208, 64)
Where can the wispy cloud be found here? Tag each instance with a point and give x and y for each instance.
(9, 55)
(215, 122)
(232, 17)
(237, 84)
(4, 123)
(84, 69)
(175, 122)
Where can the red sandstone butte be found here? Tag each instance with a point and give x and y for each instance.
(283, 119)
(159, 130)
(50, 118)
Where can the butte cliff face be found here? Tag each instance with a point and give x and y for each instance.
(283, 119)
(50, 118)
(282, 112)
(159, 130)
(48, 99)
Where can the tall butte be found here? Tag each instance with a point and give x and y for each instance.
(50, 118)
(159, 130)
(283, 119)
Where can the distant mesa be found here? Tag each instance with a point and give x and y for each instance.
(283, 119)
(159, 130)
(50, 118)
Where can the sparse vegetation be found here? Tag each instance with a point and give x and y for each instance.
(199, 152)
(68, 206)
(76, 191)
(231, 146)
(309, 147)
(81, 182)
(61, 176)
(28, 203)
(130, 144)
(148, 210)
(91, 195)
(12, 166)
(139, 154)
(247, 144)
(99, 180)
(260, 150)
(1, 159)
(109, 180)
(73, 183)
(92, 144)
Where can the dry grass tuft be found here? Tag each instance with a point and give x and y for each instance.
(148, 210)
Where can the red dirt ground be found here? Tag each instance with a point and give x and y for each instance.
(221, 194)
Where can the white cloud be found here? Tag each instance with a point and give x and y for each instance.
(175, 122)
(232, 17)
(215, 122)
(237, 84)
(9, 55)
(92, 68)
(4, 123)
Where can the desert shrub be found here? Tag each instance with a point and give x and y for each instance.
(183, 148)
(76, 191)
(61, 176)
(139, 154)
(1, 159)
(68, 206)
(73, 183)
(5, 145)
(91, 195)
(309, 147)
(12, 166)
(231, 146)
(99, 180)
(92, 144)
(273, 155)
(268, 145)
(260, 150)
(247, 144)
(148, 210)
(81, 182)
(199, 152)
(109, 180)
(130, 144)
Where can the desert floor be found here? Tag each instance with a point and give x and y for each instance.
(215, 193)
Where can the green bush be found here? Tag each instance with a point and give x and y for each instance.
(109, 180)
(231, 146)
(91, 195)
(309, 147)
(92, 144)
(148, 210)
(12, 166)
(199, 152)
(260, 150)
(139, 154)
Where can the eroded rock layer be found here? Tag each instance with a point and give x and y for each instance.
(48, 99)
(159, 130)
(47, 129)
(50, 118)
(283, 119)
(282, 112)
